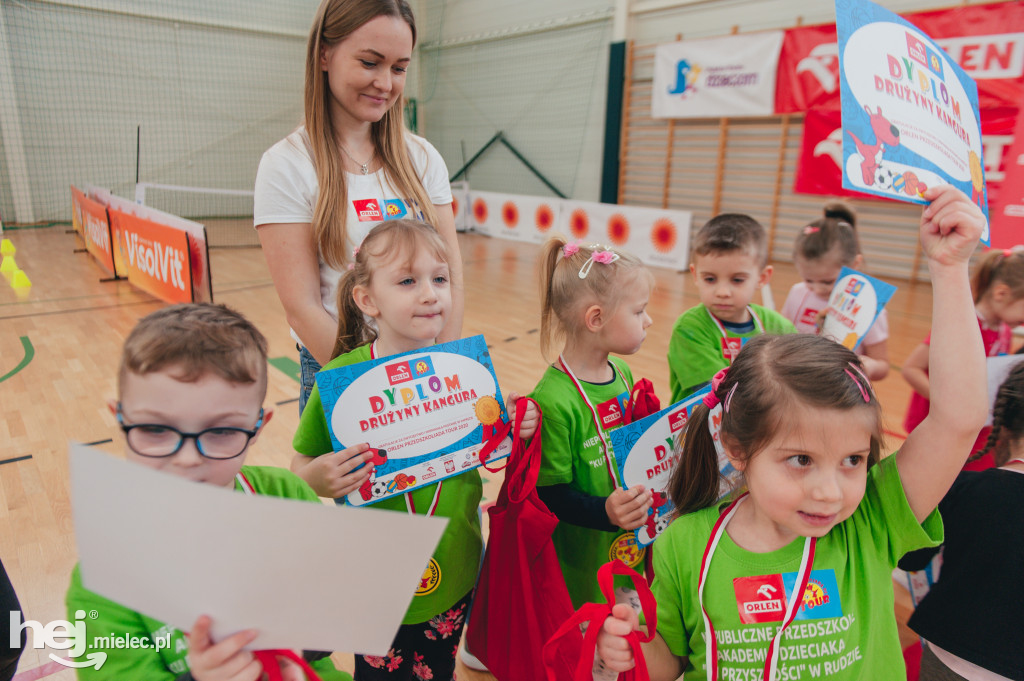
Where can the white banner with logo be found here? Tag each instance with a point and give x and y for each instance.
(729, 76)
(514, 216)
(658, 237)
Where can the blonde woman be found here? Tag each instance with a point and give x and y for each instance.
(352, 165)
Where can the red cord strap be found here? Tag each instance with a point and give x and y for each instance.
(272, 664)
(594, 614)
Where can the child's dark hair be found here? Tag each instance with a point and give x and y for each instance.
(401, 238)
(835, 232)
(766, 379)
(196, 339)
(1007, 418)
(730, 232)
(999, 267)
(564, 293)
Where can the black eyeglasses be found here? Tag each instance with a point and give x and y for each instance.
(157, 440)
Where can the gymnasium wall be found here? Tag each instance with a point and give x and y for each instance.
(212, 85)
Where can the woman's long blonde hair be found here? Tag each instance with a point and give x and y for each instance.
(335, 21)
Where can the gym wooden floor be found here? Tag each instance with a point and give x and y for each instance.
(71, 327)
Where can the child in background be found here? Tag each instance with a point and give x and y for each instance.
(190, 393)
(998, 286)
(400, 278)
(730, 264)
(596, 300)
(971, 616)
(821, 251)
(824, 521)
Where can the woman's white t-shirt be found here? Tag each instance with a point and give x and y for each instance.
(287, 189)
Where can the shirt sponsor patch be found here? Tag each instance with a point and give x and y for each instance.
(610, 412)
(394, 209)
(731, 347)
(809, 316)
(368, 210)
(763, 598)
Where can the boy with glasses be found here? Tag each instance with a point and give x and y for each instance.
(191, 388)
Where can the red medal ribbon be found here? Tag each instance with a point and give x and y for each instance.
(727, 353)
(792, 605)
(593, 414)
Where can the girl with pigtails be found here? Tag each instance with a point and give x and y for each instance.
(594, 301)
(792, 578)
(396, 297)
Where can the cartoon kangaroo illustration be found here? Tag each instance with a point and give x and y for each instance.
(886, 135)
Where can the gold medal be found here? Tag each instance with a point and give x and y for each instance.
(487, 410)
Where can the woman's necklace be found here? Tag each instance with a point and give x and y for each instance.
(363, 167)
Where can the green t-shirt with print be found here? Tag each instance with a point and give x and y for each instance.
(695, 352)
(572, 453)
(453, 570)
(844, 630)
(168, 663)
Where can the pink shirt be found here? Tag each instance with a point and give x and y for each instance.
(802, 307)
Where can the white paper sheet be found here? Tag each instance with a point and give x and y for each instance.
(304, 575)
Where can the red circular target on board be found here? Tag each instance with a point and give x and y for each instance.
(618, 229)
(579, 223)
(510, 214)
(480, 211)
(455, 206)
(544, 217)
(663, 235)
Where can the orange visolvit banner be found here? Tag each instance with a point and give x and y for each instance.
(155, 257)
(95, 228)
(198, 249)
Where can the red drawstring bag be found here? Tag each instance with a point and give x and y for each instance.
(642, 401)
(584, 645)
(521, 597)
(272, 665)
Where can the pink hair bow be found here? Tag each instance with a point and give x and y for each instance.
(569, 250)
(605, 257)
(809, 229)
(711, 399)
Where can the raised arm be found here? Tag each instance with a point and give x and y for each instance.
(937, 449)
(295, 269)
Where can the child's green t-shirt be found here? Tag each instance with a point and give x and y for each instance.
(572, 454)
(844, 629)
(695, 350)
(453, 569)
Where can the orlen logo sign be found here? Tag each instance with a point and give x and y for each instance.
(398, 373)
(677, 421)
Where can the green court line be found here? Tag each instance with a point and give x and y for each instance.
(288, 366)
(30, 352)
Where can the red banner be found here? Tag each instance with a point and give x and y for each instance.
(1007, 214)
(155, 257)
(986, 40)
(821, 152)
(94, 227)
